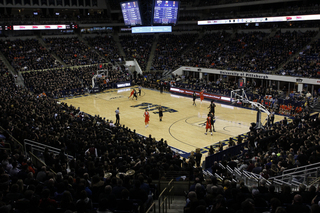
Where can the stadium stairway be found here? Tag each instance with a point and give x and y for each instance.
(53, 54)
(7, 64)
(176, 206)
(18, 77)
(117, 40)
(153, 49)
(84, 41)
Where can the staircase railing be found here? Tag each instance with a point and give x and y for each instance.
(15, 141)
(302, 173)
(165, 199)
(38, 162)
(36, 146)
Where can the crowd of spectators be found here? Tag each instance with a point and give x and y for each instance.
(271, 150)
(220, 50)
(27, 54)
(3, 68)
(57, 83)
(102, 151)
(209, 196)
(274, 51)
(169, 49)
(306, 64)
(251, 52)
(66, 82)
(73, 51)
(276, 101)
(138, 47)
(105, 45)
(102, 154)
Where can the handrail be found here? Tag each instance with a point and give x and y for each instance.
(14, 140)
(43, 146)
(293, 173)
(301, 167)
(222, 166)
(314, 181)
(166, 197)
(8, 148)
(150, 208)
(163, 191)
(39, 160)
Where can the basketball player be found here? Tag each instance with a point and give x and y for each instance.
(213, 120)
(194, 96)
(146, 116)
(201, 95)
(208, 125)
(135, 94)
(117, 117)
(139, 90)
(212, 107)
(131, 94)
(160, 112)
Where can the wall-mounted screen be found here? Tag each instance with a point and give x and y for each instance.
(152, 29)
(131, 13)
(165, 12)
(41, 27)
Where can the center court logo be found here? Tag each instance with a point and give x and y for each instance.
(154, 107)
(116, 97)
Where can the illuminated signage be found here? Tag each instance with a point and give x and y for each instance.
(119, 85)
(40, 27)
(153, 29)
(261, 20)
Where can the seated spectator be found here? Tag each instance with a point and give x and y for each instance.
(298, 206)
(193, 202)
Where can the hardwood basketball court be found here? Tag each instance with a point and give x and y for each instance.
(183, 124)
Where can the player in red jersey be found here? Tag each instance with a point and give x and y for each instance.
(146, 116)
(208, 125)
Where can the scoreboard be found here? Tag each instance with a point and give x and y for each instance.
(165, 12)
(131, 13)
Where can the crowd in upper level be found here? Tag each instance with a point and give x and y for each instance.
(105, 45)
(24, 55)
(284, 52)
(137, 47)
(73, 51)
(169, 49)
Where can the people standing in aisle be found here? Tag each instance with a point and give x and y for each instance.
(117, 117)
(208, 125)
(135, 94)
(146, 116)
(139, 90)
(160, 112)
(201, 95)
(198, 157)
(161, 87)
(194, 97)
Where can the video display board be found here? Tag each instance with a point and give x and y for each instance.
(131, 13)
(165, 12)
